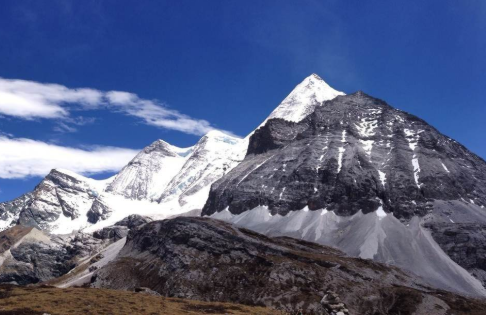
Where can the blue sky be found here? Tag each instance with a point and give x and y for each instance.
(196, 65)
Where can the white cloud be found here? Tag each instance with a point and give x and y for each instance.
(22, 158)
(29, 100)
(156, 115)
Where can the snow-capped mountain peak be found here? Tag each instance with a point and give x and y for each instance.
(166, 148)
(215, 154)
(308, 94)
(150, 171)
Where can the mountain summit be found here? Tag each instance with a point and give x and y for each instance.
(308, 94)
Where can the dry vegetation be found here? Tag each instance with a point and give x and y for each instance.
(18, 300)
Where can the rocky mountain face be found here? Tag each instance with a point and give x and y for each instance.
(29, 256)
(61, 199)
(209, 260)
(354, 153)
(362, 176)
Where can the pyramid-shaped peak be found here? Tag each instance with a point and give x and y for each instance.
(308, 94)
(315, 81)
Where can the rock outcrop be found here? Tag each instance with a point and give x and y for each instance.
(205, 259)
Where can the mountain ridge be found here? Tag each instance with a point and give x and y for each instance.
(348, 171)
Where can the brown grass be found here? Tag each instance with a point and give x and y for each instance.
(44, 299)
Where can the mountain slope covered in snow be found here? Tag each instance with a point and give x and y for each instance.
(149, 172)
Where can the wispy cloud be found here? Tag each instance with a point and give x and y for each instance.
(156, 115)
(32, 100)
(22, 158)
(71, 124)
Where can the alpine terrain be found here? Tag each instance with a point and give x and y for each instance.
(369, 179)
(326, 184)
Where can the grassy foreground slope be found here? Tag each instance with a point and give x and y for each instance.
(17, 300)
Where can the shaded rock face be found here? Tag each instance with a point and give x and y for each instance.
(80, 244)
(12, 236)
(353, 153)
(133, 221)
(28, 256)
(113, 233)
(36, 262)
(56, 195)
(206, 259)
(98, 211)
(465, 243)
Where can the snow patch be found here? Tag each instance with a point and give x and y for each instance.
(380, 213)
(416, 170)
(367, 146)
(341, 152)
(382, 177)
(445, 167)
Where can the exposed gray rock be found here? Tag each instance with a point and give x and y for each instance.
(41, 261)
(113, 233)
(332, 303)
(465, 243)
(353, 153)
(210, 260)
(98, 211)
(147, 291)
(133, 221)
(28, 255)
